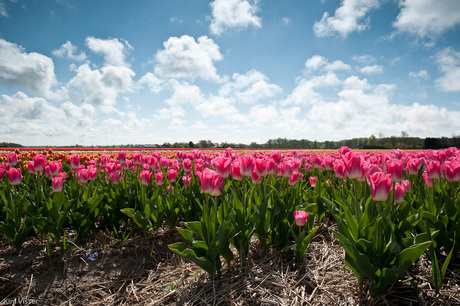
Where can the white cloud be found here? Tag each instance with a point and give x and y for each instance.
(80, 116)
(318, 62)
(30, 70)
(286, 20)
(217, 106)
(364, 59)
(68, 50)
(101, 87)
(349, 17)
(3, 11)
(448, 61)
(427, 18)
(233, 14)
(19, 107)
(152, 82)
(374, 69)
(419, 74)
(113, 50)
(249, 87)
(305, 92)
(183, 57)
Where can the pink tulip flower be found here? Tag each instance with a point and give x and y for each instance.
(300, 217)
(30, 167)
(74, 161)
(57, 183)
(172, 175)
(427, 180)
(39, 163)
(246, 165)
(12, 159)
(15, 176)
(380, 186)
(222, 166)
(293, 179)
(354, 164)
(276, 156)
(55, 167)
(159, 178)
(82, 176)
(186, 180)
(137, 159)
(261, 167)
(451, 170)
(235, 170)
(116, 177)
(413, 165)
(2, 173)
(255, 178)
(313, 181)
(339, 169)
(394, 167)
(121, 157)
(407, 186)
(145, 177)
(433, 170)
(187, 165)
(399, 193)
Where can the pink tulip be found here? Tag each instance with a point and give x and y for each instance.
(313, 181)
(271, 167)
(235, 170)
(380, 186)
(354, 164)
(427, 180)
(293, 179)
(187, 165)
(261, 167)
(169, 190)
(399, 193)
(159, 178)
(12, 159)
(186, 180)
(246, 165)
(276, 156)
(39, 163)
(451, 170)
(211, 182)
(255, 178)
(145, 177)
(122, 157)
(222, 166)
(15, 176)
(74, 161)
(137, 159)
(407, 186)
(116, 177)
(57, 183)
(300, 217)
(55, 167)
(413, 165)
(2, 173)
(104, 160)
(394, 167)
(63, 175)
(433, 170)
(172, 175)
(339, 169)
(82, 176)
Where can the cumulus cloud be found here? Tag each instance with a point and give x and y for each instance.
(30, 70)
(427, 18)
(79, 116)
(318, 62)
(374, 69)
(233, 14)
(152, 82)
(249, 87)
(101, 86)
(68, 50)
(448, 61)
(183, 57)
(306, 93)
(113, 50)
(349, 17)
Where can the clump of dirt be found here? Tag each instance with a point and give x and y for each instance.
(143, 271)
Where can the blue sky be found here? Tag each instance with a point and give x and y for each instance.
(140, 72)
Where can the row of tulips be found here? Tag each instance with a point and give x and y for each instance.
(390, 207)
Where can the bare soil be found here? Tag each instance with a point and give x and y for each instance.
(143, 271)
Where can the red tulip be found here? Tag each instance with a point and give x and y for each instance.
(122, 157)
(300, 217)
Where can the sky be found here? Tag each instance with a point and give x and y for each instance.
(240, 71)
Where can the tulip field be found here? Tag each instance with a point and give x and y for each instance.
(388, 207)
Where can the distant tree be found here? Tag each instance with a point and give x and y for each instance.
(191, 144)
(372, 141)
(404, 134)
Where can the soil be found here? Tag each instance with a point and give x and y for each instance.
(143, 271)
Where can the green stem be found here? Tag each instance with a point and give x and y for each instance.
(358, 218)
